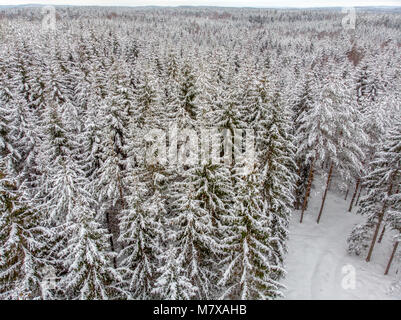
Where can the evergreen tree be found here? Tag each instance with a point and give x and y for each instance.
(251, 262)
(329, 138)
(90, 274)
(303, 104)
(276, 154)
(381, 183)
(115, 112)
(140, 234)
(193, 231)
(173, 283)
(22, 243)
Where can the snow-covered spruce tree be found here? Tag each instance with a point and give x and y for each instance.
(275, 154)
(140, 222)
(302, 104)
(166, 85)
(115, 112)
(92, 131)
(278, 174)
(214, 189)
(193, 231)
(65, 190)
(55, 170)
(367, 84)
(147, 98)
(183, 108)
(375, 122)
(210, 180)
(21, 238)
(250, 268)
(53, 194)
(9, 154)
(213, 83)
(22, 244)
(381, 183)
(30, 167)
(14, 103)
(328, 135)
(190, 205)
(372, 105)
(198, 198)
(172, 64)
(361, 235)
(90, 274)
(202, 209)
(22, 117)
(80, 247)
(140, 234)
(173, 283)
(251, 264)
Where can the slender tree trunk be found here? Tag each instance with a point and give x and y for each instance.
(381, 235)
(359, 195)
(358, 181)
(391, 258)
(298, 186)
(109, 229)
(346, 194)
(379, 222)
(310, 179)
(384, 227)
(325, 192)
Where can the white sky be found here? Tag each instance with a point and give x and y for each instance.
(222, 3)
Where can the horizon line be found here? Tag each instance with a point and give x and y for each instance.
(200, 6)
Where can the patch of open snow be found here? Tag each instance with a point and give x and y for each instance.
(318, 263)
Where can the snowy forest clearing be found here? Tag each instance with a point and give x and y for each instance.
(157, 154)
(317, 255)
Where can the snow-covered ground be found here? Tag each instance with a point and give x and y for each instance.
(317, 263)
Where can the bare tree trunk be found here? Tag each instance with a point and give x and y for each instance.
(325, 192)
(358, 181)
(297, 197)
(109, 228)
(391, 258)
(381, 235)
(359, 195)
(346, 194)
(384, 227)
(310, 179)
(379, 222)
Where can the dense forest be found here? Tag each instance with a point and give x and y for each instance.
(85, 215)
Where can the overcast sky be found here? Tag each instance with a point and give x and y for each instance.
(225, 3)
